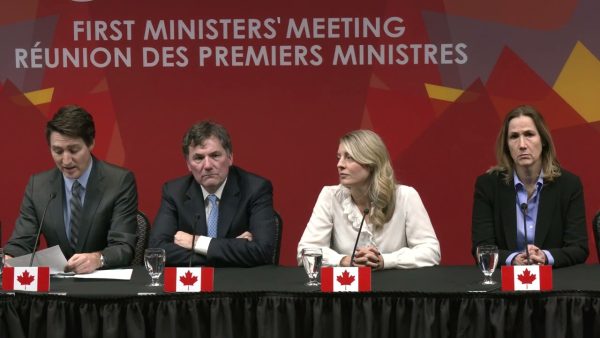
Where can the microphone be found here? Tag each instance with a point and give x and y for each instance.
(524, 211)
(37, 237)
(365, 213)
(193, 240)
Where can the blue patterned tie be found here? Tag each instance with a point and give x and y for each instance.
(75, 213)
(213, 216)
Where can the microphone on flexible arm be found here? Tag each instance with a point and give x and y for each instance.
(37, 237)
(524, 211)
(365, 213)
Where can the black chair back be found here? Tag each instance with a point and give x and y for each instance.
(278, 229)
(141, 243)
(596, 229)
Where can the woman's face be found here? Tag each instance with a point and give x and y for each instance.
(525, 143)
(352, 174)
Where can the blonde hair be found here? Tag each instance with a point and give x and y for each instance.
(367, 149)
(505, 163)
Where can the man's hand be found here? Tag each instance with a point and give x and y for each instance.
(246, 235)
(84, 262)
(184, 239)
(7, 257)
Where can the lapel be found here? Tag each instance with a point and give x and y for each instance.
(93, 196)
(228, 206)
(547, 203)
(194, 206)
(508, 212)
(55, 216)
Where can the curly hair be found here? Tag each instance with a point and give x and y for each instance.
(368, 149)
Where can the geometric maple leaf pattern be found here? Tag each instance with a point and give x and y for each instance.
(345, 279)
(526, 277)
(25, 278)
(188, 279)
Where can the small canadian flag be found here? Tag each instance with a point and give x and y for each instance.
(527, 278)
(26, 278)
(189, 279)
(345, 279)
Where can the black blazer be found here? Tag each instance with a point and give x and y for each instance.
(246, 205)
(560, 226)
(108, 218)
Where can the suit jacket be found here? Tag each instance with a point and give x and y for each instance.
(108, 217)
(246, 205)
(560, 226)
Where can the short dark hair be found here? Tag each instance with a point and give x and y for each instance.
(202, 131)
(72, 121)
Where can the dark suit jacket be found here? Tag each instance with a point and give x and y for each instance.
(108, 218)
(560, 226)
(246, 205)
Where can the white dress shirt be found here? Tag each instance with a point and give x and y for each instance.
(406, 241)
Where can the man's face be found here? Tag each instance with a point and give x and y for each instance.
(71, 155)
(209, 163)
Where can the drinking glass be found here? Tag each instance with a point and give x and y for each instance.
(154, 258)
(487, 258)
(312, 259)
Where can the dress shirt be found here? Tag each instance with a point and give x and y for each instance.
(406, 241)
(202, 242)
(83, 180)
(532, 211)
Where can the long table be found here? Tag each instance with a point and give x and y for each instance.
(272, 301)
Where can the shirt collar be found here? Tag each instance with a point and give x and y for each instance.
(83, 179)
(217, 193)
(519, 184)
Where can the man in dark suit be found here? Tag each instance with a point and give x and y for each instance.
(91, 205)
(220, 212)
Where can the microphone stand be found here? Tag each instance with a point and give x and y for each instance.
(37, 236)
(365, 213)
(524, 211)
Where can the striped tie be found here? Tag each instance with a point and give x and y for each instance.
(75, 213)
(213, 216)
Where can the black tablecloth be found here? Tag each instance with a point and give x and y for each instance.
(272, 301)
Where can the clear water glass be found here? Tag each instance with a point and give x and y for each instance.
(154, 259)
(312, 259)
(487, 259)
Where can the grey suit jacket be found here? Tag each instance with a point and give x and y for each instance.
(108, 218)
(246, 205)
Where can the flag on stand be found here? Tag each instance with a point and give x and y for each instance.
(527, 278)
(26, 278)
(341, 279)
(189, 279)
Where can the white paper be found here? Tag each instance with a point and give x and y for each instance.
(51, 257)
(121, 274)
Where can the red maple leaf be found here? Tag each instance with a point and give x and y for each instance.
(526, 277)
(25, 278)
(188, 279)
(345, 279)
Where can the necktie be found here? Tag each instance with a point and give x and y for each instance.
(75, 213)
(213, 216)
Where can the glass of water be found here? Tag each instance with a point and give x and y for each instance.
(154, 258)
(312, 259)
(487, 258)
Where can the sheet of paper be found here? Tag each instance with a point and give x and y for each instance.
(51, 257)
(121, 274)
